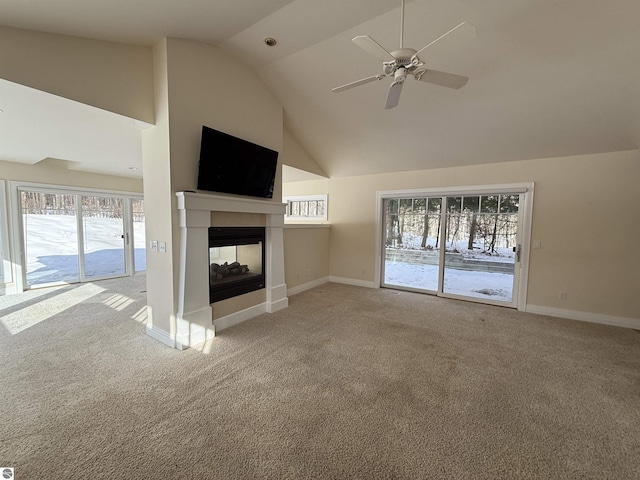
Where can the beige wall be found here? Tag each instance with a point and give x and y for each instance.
(112, 76)
(306, 254)
(55, 173)
(584, 215)
(196, 84)
(294, 155)
(159, 201)
(584, 205)
(309, 187)
(206, 87)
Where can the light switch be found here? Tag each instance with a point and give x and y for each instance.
(536, 244)
(163, 247)
(154, 245)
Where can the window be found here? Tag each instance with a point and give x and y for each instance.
(70, 235)
(464, 242)
(306, 207)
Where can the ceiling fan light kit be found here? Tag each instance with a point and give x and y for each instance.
(405, 61)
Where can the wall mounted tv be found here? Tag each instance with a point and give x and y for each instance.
(231, 165)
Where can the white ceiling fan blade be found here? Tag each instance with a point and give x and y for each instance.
(450, 80)
(372, 47)
(393, 96)
(357, 83)
(464, 31)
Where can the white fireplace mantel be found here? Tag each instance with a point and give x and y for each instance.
(219, 203)
(194, 316)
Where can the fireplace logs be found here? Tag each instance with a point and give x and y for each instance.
(236, 261)
(218, 272)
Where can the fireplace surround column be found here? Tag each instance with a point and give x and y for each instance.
(194, 322)
(276, 288)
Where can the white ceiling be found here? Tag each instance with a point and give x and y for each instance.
(548, 78)
(36, 126)
(292, 174)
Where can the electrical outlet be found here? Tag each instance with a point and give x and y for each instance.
(308, 272)
(562, 295)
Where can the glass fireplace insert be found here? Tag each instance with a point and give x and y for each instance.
(236, 261)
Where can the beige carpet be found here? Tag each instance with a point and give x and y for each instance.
(346, 383)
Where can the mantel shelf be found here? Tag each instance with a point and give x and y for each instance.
(221, 203)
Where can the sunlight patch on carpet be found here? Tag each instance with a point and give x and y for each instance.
(204, 347)
(118, 302)
(32, 315)
(141, 315)
(8, 301)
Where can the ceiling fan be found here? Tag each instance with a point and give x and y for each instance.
(404, 62)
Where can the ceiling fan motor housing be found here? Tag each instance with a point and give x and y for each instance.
(403, 56)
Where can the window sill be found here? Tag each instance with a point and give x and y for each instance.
(307, 225)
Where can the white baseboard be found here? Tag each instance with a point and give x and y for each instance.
(278, 305)
(194, 328)
(277, 292)
(353, 281)
(277, 298)
(307, 286)
(161, 336)
(239, 317)
(585, 316)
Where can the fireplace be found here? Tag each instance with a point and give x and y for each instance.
(236, 261)
(195, 314)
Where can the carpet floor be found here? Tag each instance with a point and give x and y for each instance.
(345, 383)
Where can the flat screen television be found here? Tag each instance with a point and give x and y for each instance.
(232, 165)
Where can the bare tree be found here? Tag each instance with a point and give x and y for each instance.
(472, 231)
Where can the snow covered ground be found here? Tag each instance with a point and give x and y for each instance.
(52, 247)
(487, 285)
(407, 270)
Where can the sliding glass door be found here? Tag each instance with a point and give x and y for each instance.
(50, 237)
(139, 238)
(412, 242)
(481, 246)
(462, 246)
(72, 237)
(104, 237)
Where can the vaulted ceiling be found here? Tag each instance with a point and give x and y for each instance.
(547, 78)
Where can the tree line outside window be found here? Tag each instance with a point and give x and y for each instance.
(41, 203)
(482, 222)
(303, 207)
(306, 208)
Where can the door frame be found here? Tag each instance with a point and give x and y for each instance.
(5, 246)
(19, 260)
(525, 213)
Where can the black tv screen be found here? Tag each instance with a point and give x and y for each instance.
(231, 165)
